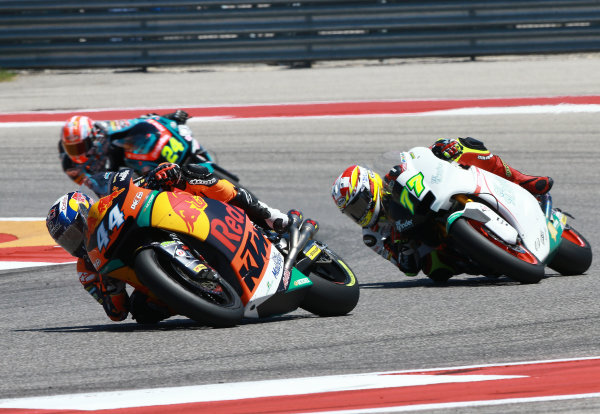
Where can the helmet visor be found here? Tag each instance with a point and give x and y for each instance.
(359, 206)
(77, 150)
(71, 239)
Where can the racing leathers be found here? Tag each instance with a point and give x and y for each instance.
(470, 151)
(197, 180)
(395, 240)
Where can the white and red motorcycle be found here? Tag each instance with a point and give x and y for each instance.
(495, 226)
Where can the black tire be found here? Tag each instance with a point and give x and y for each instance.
(469, 237)
(574, 255)
(165, 280)
(335, 290)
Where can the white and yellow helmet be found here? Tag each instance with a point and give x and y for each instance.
(357, 193)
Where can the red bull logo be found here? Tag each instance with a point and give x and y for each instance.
(188, 208)
(105, 202)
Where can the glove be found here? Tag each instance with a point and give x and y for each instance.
(277, 221)
(447, 149)
(178, 116)
(164, 177)
(198, 175)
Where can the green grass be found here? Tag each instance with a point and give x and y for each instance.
(6, 75)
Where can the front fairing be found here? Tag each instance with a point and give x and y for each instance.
(256, 263)
(154, 140)
(109, 220)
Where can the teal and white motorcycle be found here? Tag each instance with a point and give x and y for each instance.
(494, 226)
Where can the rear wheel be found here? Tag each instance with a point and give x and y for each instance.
(335, 290)
(514, 261)
(574, 255)
(211, 302)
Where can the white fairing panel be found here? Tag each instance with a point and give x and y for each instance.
(268, 284)
(517, 206)
(512, 202)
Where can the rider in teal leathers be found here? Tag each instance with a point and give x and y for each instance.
(87, 147)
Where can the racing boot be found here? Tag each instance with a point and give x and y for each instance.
(534, 184)
(146, 310)
(439, 266)
(470, 151)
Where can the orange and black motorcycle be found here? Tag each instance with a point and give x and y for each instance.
(158, 242)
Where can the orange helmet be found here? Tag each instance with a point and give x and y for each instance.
(357, 193)
(77, 137)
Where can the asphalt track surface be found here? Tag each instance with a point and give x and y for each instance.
(55, 339)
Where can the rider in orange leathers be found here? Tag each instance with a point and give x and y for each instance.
(67, 223)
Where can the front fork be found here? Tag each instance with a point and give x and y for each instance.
(178, 252)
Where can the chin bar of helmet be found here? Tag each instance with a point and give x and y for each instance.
(299, 236)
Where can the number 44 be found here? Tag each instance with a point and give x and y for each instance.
(115, 220)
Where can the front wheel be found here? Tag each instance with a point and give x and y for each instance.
(516, 262)
(209, 302)
(574, 255)
(335, 290)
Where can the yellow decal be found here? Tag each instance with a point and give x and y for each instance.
(415, 184)
(405, 200)
(313, 252)
(552, 231)
(172, 150)
(352, 278)
(199, 267)
(181, 212)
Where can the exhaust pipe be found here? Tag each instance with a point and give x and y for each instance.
(298, 237)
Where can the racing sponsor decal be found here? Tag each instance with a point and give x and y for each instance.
(122, 176)
(313, 252)
(301, 282)
(229, 230)
(86, 277)
(247, 249)
(105, 202)
(137, 199)
(403, 225)
(252, 258)
(277, 261)
(199, 181)
(187, 207)
(199, 267)
(439, 174)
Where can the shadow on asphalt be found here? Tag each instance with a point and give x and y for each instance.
(423, 282)
(168, 325)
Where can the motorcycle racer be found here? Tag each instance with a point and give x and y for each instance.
(87, 147)
(364, 196)
(67, 224)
